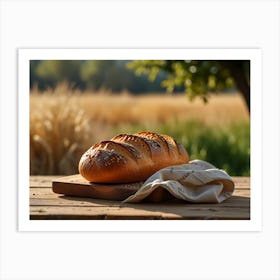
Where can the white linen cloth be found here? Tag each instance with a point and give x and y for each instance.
(197, 182)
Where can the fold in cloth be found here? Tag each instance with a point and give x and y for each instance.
(197, 182)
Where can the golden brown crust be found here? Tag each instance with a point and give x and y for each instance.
(130, 158)
(135, 141)
(120, 148)
(154, 136)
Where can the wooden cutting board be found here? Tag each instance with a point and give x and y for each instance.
(76, 185)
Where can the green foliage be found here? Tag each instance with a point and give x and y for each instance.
(198, 77)
(227, 148)
(103, 73)
(62, 70)
(91, 74)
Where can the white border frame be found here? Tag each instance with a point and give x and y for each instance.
(255, 222)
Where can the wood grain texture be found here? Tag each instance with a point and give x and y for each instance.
(45, 204)
(76, 185)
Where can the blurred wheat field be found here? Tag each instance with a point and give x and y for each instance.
(117, 108)
(64, 123)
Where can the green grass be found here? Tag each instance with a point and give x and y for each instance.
(227, 147)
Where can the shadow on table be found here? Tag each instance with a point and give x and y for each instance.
(234, 208)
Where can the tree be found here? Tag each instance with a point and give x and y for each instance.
(114, 75)
(50, 72)
(199, 77)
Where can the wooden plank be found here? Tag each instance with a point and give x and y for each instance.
(139, 212)
(235, 201)
(45, 181)
(44, 196)
(45, 204)
(241, 179)
(41, 192)
(76, 185)
(42, 181)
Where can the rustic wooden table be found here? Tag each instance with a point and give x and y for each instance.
(44, 204)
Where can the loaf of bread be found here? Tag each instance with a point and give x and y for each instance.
(130, 158)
